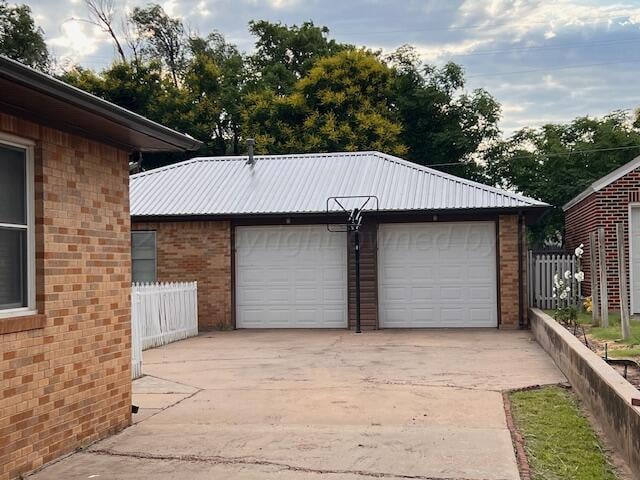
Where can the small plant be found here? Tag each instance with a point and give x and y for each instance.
(566, 312)
(587, 303)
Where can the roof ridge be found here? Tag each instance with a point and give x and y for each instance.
(455, 178)
(603, 182)
(228, 158)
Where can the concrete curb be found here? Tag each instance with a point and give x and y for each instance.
(605, 392)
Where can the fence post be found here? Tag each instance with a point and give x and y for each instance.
(595, 284)
(604, 294)
(622, 279)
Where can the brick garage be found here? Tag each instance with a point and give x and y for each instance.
(197, 251)
(198, 241)
(65, 359)
(605, 203)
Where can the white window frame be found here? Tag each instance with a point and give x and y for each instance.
(155, 253)
(632, 300)
(28, 147)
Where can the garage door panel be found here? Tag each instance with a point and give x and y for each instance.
(291, 277)
(437, 275)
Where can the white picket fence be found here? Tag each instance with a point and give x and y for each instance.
(542, 268)
(161, 313)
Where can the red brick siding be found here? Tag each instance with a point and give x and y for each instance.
(604, 208)
(197, 251)
(509, 275)
(69, 383)
(580, 220)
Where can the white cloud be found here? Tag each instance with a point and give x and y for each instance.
(203, 8)
(77, 40)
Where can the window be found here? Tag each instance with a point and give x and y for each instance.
(143, 256)
(17, 252)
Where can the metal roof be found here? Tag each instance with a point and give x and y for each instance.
(604, 182)
(284, 184)
(45, 99)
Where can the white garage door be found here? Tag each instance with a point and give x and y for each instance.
(437, 275)
(291, 277)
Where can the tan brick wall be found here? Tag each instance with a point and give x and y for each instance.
(69, 383)
(508, 258)
(197, 251)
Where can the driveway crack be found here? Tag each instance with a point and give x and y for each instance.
(220, 460)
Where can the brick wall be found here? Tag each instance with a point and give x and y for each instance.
(580, 220)
(197, 251)
(604, 208)
(68, 383)
(508, 256)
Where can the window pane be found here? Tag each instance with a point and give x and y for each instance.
(13, 174)
(143, 245)
(13, 268)
(144, 271)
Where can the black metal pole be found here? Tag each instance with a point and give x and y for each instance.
(520, 272)
(356, 238)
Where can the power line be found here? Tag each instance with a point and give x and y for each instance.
(537, 70)
(565, 46)
(477, 26)
(559, 154)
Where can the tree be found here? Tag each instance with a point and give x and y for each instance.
(558, 161)
(441, 125)
(102, 14)
(166, 37)
(343, 103)
(285, 54)
(20, 38)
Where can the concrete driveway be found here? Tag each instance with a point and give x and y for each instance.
(322, 404)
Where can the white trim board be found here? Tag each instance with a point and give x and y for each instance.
(604, 182)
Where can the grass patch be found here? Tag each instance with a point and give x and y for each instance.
(559, 441)
(624, 352)
(612, 333)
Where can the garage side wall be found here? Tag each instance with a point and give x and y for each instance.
(197, 251)
(604, 208)
(580, 220)
(508, 261)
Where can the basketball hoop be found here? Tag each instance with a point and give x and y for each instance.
(353, 207)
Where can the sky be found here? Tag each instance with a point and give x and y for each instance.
(544, 61)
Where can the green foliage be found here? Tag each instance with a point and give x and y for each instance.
(166, 38)
(284, 54)
(559, 441)
(545, 163)
(342, 104)
(442, 125)
(20, 38)
(567, 315)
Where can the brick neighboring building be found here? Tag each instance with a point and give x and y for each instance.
(65, 265)
(440, 251)
(613, 199)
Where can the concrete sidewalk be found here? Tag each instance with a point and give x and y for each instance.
(322, 404)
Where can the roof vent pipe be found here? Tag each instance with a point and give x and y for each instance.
(250, 144)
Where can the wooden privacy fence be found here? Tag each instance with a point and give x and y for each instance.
(542, 268)
(161, 313)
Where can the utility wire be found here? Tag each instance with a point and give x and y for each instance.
(559, 154)
(481, 25)
(567, 67)
(565, 46)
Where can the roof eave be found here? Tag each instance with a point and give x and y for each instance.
(514, 209)
(54, 88)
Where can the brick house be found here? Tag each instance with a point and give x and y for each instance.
(259, 236)
(613, 199)
(65, 265)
